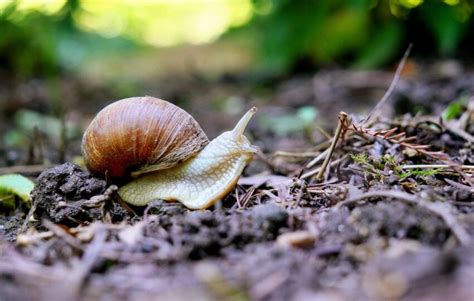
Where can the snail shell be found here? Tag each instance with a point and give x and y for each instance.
(140, 134)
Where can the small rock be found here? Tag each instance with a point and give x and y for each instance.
(298, 239)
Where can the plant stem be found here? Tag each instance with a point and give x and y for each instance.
(434, 166)
(342, 121)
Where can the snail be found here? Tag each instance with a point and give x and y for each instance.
(165, 151)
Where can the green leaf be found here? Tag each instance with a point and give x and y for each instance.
(344, 31)
(286, 33)
(382, 47)
(17, 185)
(452, 111)
(446, 24)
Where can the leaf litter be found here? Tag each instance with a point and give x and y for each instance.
(384, 212)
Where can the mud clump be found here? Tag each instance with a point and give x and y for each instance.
(9, 226)
(368, 223)
(60, 192)
(199, 234)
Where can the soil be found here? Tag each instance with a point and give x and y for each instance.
(370, 230)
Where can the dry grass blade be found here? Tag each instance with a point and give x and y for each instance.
(460, 186)
(389, 133)
(435, 166)
(311, 173)
(419, 146)
(387, 94)
(409, 139)
(247, 196)
(400, 137)
(317, 159)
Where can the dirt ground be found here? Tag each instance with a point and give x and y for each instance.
(374, 227)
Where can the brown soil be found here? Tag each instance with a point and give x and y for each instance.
(370, 230)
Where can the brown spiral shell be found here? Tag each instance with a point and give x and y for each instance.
(144, 133)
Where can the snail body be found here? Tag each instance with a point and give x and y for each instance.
(197, 180)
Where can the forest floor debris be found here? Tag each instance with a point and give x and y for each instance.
(391, 219)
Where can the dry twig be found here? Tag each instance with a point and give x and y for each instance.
(387, 94)
(401, 139)
(342, 124)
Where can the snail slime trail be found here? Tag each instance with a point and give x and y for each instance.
(174, 163)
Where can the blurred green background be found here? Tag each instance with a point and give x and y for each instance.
(44, 37)
(62, 60)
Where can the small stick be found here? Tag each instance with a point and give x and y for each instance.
(317, 158)
(324, 132)
(340, 126)
(316, 170)
(27, 239)
(434, 166)
(246, 198)
(324, 145)
(63, 234)
(237, 197)
(459, 132)
(395, 80)
(272, 196)
(28, 217)
(295, 155)
(459, 185)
